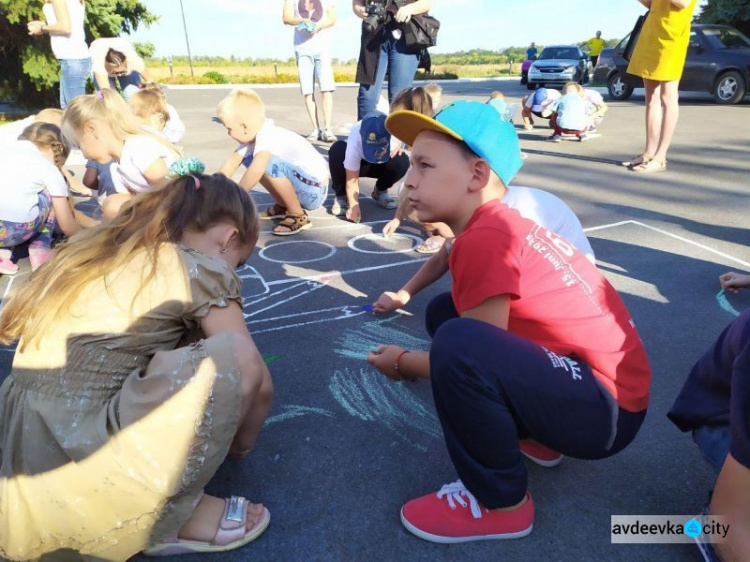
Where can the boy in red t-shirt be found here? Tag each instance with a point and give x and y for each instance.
(533, 353)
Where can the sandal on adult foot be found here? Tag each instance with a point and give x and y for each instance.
(430, 246)
(293, 224)
(231, 533)
(636, 161)
(275, 211)
(651, 166)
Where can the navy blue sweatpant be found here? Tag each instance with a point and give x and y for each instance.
(492, 388)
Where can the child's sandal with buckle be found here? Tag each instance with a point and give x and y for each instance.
(293, 223)
(275, 211)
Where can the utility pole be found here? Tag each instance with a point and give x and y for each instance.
(187, 40)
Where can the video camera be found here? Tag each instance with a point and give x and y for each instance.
(379, 12)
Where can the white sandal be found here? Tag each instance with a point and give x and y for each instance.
(231, 533)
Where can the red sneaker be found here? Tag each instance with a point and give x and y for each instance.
(453, 515)
(540, 454)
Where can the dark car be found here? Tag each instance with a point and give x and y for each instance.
(718, 61)
(557, 65)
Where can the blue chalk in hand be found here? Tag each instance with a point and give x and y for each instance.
(367, 308)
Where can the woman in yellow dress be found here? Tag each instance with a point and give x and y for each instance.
(659, 58)
(111, 422)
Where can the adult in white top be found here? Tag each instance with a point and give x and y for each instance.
(115, 58)
(313, 20)
(64, 23)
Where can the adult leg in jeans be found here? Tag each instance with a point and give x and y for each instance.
(336, 166)
(368, 95)
(73, 75)
(403, 66)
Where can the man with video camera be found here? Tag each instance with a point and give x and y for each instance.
(384, 49)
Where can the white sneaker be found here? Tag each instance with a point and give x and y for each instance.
(327, 136)
(339, 207)
(315, 135)
(384, 200)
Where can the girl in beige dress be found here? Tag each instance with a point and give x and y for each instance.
(111, 423)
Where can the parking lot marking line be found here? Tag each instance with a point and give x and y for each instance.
(697, 244)
(604, 226)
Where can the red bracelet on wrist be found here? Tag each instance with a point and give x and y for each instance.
(398, 360)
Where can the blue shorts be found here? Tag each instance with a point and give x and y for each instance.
(310, 67)
(311, 191)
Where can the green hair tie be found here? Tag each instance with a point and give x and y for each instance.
(186, 167)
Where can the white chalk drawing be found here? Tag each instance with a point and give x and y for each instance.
(352, 243)
(307, 318)
(293, 411)
(356, 342)
(330, 247)
(371, 397)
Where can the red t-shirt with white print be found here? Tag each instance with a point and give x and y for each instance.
(558, 299)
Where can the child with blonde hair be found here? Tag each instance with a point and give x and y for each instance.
(35, 198)
(11, 131)
(151, 109)
(104, 128)
(110, 424)
(283, 162)
(570, 115)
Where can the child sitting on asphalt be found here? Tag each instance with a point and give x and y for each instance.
(570, 115)
(533, 342)
(537, 104)
(370, 151)
(35, 195)
(104, 128)
(283, 162)
(542, 207)
(151, 109)
(714, 405)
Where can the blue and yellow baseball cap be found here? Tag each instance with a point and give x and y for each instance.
(376, 140)
(477, 124)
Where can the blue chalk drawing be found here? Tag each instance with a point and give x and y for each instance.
(292, 411)
(370, 396)
(724, 303)
(356, 342)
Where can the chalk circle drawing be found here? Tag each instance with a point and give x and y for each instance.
(371, 397)
(724, 303)
(331, 250)
(292, 411)
(380, 238)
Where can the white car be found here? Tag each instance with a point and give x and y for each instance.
(557, 65)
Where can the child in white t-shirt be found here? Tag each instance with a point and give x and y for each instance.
(35, 198)
(595, 108)
(105, 130)
(283, 162)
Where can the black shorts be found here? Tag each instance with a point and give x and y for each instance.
(538, 114)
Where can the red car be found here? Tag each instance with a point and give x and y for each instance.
(525, 70)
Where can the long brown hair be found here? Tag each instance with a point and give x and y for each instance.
(147, 222)
(47, 135)
(414, 99)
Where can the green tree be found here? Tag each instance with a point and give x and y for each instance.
(728, 12)
(145, 50)
(28, 71)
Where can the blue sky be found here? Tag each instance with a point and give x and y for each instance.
(253, 28)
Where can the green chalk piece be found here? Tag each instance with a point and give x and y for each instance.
(268, 359)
